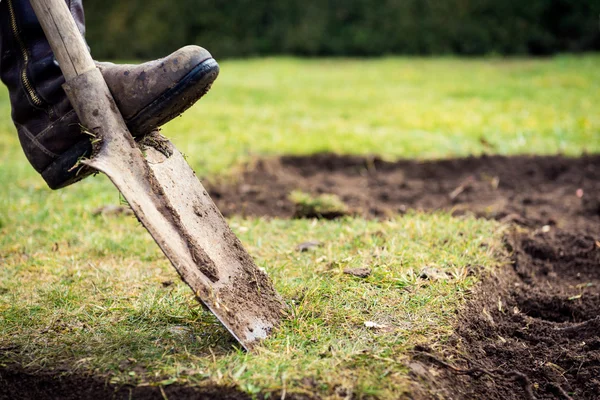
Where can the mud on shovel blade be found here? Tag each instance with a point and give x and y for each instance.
(164, 194)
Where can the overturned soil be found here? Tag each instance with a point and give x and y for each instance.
(531, 331)
(530, 191)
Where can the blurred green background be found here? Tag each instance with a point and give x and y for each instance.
(239, 28)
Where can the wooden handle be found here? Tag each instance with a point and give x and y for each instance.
(66, 41)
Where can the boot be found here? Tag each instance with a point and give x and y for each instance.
(148, 95)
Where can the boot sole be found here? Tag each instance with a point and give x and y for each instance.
(176, 100)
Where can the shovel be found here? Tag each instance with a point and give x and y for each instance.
(164, 193)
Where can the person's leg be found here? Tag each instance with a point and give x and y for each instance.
(148, 95)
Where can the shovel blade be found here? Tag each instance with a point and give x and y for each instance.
(167, 197)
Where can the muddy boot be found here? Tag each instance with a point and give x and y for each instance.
(148, 95)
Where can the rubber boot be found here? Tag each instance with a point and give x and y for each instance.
(148, 95)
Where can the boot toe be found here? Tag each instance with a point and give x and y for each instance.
(189, 83)
(187, 57)
(151, 94)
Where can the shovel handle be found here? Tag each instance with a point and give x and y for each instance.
(67, 43)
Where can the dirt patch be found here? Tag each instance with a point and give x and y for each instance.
(531, 191)
(533, 330)
(17, 384)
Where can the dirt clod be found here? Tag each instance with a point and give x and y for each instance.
(358, 272)
(306, 246)
(112, 210)
(433, 274)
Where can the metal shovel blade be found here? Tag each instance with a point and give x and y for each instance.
(223, 275)
(172, 204)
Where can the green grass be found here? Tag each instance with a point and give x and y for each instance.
(427, 108)
(92, 302)
(317, 207)
(85, 294)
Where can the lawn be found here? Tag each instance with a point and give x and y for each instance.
(93, 294)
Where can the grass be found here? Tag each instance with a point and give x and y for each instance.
(326, 206)
(395, 107)
(94, 295)
(98, 303)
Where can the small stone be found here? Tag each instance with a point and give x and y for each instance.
(306, 246)
(374, 325)
(378, 327)
(358, 272)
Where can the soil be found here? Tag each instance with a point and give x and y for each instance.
(18, 384)
(531, 331)
(530, 191)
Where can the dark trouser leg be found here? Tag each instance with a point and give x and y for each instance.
(148, 95)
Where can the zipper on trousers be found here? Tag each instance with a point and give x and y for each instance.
(35, 98)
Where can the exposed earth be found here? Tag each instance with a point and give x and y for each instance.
(533, 331)
(530, 191)
(530, 332)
